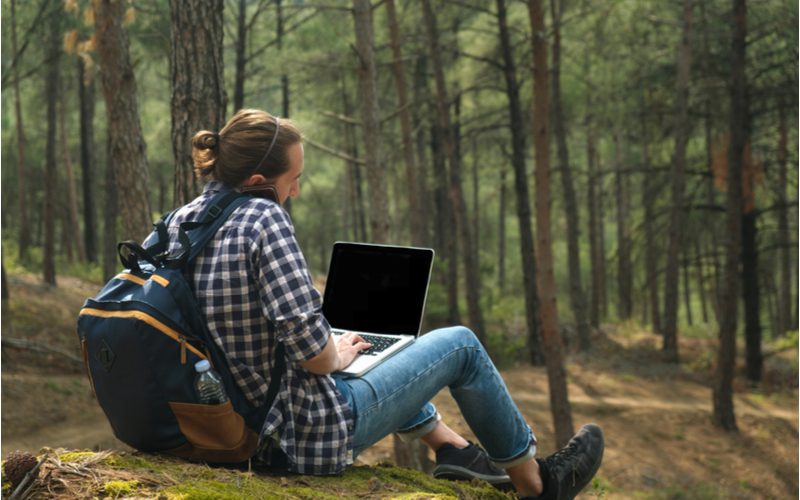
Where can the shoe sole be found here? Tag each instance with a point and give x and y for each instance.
(456, 473)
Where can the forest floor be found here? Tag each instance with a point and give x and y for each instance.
(660, 442)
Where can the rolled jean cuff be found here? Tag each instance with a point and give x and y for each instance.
(517, 459)
(408, 435)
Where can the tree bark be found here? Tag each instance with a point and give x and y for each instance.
(457, 202)
(370, 123)
(197, 83)
(683, 129)
(51, 181)
(545, 278)
(527, 250)
(24, 222)
(576, 292)
(128, 152)
(86, 98)
(400, 80)
(726, 360)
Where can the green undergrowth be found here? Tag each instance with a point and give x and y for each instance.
(83, 474)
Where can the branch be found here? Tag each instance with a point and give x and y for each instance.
(33, 346)
(257, 52)
(331, 151)
(468, 5)
(341, 117)
(486, 60)
(25, 39)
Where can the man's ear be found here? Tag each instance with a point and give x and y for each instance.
(254, 180)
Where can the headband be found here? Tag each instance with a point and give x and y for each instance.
(271, 144)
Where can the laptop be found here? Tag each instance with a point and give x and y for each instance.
(378, 292)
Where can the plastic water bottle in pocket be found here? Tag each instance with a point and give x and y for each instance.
(209, 384)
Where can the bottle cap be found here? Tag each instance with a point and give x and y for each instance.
(202, 366)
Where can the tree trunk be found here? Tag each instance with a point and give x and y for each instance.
(683, 129)
(445, 227)
(576, 293)
(501, 233)
(784, 235)
(24, 222)
(545, 278)
(419, 114)
(701, 282)
(128, 153)
(726, 360)
(592, 208)
(459, 206)
(398, 66)
(241, 59)
(73, 228)
(197, 83)
(86, 98)
(370, 123)
(601, 242)
(528, 253)
(51, 181)
(648, 196)
(751, 296)
(287, 205)
(110, 214)
(624, 278)
(687, 289)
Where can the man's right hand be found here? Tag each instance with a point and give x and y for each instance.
(348, 345)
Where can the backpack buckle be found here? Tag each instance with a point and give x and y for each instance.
(214, 211)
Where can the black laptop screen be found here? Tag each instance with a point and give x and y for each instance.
(380, 289)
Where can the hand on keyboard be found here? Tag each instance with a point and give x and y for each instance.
(348, 346)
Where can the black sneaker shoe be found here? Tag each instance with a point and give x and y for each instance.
(566, 472)
(467, 464)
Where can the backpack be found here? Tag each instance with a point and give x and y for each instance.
(141, 336)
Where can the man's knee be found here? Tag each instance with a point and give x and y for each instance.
(461, 335)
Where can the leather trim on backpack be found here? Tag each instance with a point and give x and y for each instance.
(215, 433)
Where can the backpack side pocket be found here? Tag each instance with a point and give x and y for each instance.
(216, 433)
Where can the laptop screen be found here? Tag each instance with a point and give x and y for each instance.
(376, 288)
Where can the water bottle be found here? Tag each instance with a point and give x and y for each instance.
(209, 384)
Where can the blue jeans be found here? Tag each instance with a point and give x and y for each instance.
(395, 396)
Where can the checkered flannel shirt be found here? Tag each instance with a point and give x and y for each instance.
(252, 283)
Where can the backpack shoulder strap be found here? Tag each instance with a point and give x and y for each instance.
(193, 236)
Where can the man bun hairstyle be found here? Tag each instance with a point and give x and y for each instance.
(242, 148)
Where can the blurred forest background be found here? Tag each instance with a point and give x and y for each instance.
(636, 160)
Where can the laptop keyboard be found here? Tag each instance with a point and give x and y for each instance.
(379, 344)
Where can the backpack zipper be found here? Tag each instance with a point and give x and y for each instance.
(150, 320)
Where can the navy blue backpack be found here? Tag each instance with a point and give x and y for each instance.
(141, 336)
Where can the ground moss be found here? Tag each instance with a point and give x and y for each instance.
(74, 456)
(120, 488)
(141, 474)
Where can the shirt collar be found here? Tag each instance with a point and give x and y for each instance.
(212, 187)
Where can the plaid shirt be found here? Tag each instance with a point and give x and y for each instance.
(252, 283)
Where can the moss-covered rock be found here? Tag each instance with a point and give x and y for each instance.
(84, 474)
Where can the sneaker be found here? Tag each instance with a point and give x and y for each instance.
(566, 472)
(467, 464)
